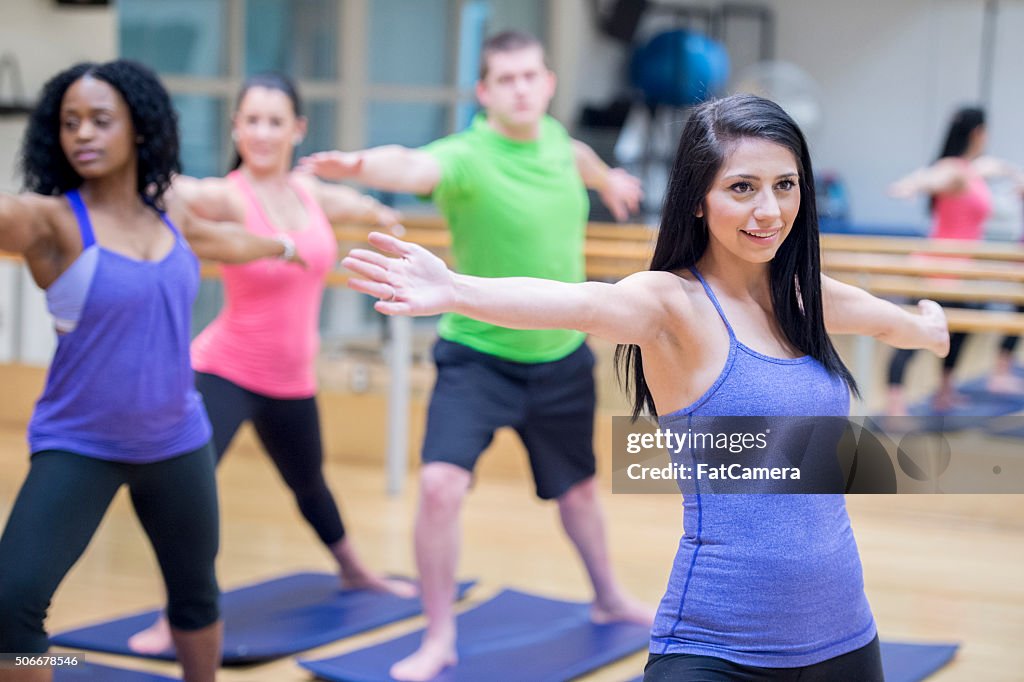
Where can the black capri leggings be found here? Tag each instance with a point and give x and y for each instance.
(290, 433)
(862, 665)
(1009, 343)
(60, 505)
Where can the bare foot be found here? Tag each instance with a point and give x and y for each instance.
(425, 663)
(895, 403)
(1005, 383)
(947, 401)
(378, 583)
(356, 576)
(622, 610)
(155, 639)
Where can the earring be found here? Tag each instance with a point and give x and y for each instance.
(234, 136)
(298, 139)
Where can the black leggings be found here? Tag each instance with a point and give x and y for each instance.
(1009, 343)
(862, 665)
(290, 433)
(60, 505)
(898, 363)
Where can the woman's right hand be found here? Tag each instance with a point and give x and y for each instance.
(414, 283)
(332, 165)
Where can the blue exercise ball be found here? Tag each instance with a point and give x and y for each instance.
(680, 68)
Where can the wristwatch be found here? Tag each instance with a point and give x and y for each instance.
(288, 244)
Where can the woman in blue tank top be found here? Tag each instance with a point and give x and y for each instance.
(116, 255)
(732, 320)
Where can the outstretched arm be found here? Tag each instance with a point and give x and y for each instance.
(341, 203)
(209, 198)
(24, 222)
(416, 282)
(232, 243)
(620, 191)
(392, 167)
(851, 310)
(943, 176)
(992, 167)
(223, 241)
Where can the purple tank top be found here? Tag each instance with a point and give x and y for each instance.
(771, 580)
(120, 386)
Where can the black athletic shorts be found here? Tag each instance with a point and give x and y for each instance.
(549, 404)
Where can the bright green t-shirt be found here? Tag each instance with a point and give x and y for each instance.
(515, 209)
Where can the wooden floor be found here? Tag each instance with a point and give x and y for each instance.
(937, 568)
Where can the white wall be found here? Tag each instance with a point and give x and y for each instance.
(44, 39)
(890, 72)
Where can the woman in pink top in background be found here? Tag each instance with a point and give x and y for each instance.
(256, 360)
(960, 204)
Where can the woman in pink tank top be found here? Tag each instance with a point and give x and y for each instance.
(256, 361)
(960, 203)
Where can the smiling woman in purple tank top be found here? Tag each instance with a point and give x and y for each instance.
(116, 255)
(732, 319)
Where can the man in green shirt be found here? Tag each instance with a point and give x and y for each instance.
(513, 190)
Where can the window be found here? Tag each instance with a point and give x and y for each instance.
(369, 71)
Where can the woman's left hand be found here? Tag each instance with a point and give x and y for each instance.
(414, 283)
(936, 326)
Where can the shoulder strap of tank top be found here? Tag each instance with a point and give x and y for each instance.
(171, 227)
(313, 209)
(82, 216)
(253, 205)
(163, 216)
(238, 177)
(304, 194)
(714, 300)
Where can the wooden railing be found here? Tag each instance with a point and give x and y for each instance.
(980, 272)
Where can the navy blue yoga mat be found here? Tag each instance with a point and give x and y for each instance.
(92, 672)
(268, 620)
(979, 386)
(514, 636)
(978, 406)
(904, 662)
(1009, 432)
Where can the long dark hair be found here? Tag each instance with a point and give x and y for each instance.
(795, 272)
(271, 80)
(46, 169)
(964, 122)
(958, 137)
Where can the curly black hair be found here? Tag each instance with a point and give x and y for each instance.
(47, 170)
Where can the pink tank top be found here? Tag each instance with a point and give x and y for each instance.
(963, 215)
(266, 338)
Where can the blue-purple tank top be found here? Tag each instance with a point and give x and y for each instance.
(771, 580)
(120, 386)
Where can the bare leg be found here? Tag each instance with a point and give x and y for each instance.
(1003, 379)
(199, 651)
(583, 520)
(442, 488)
(947, 397)
(896, 402)
(26, 675)
(355, 574)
